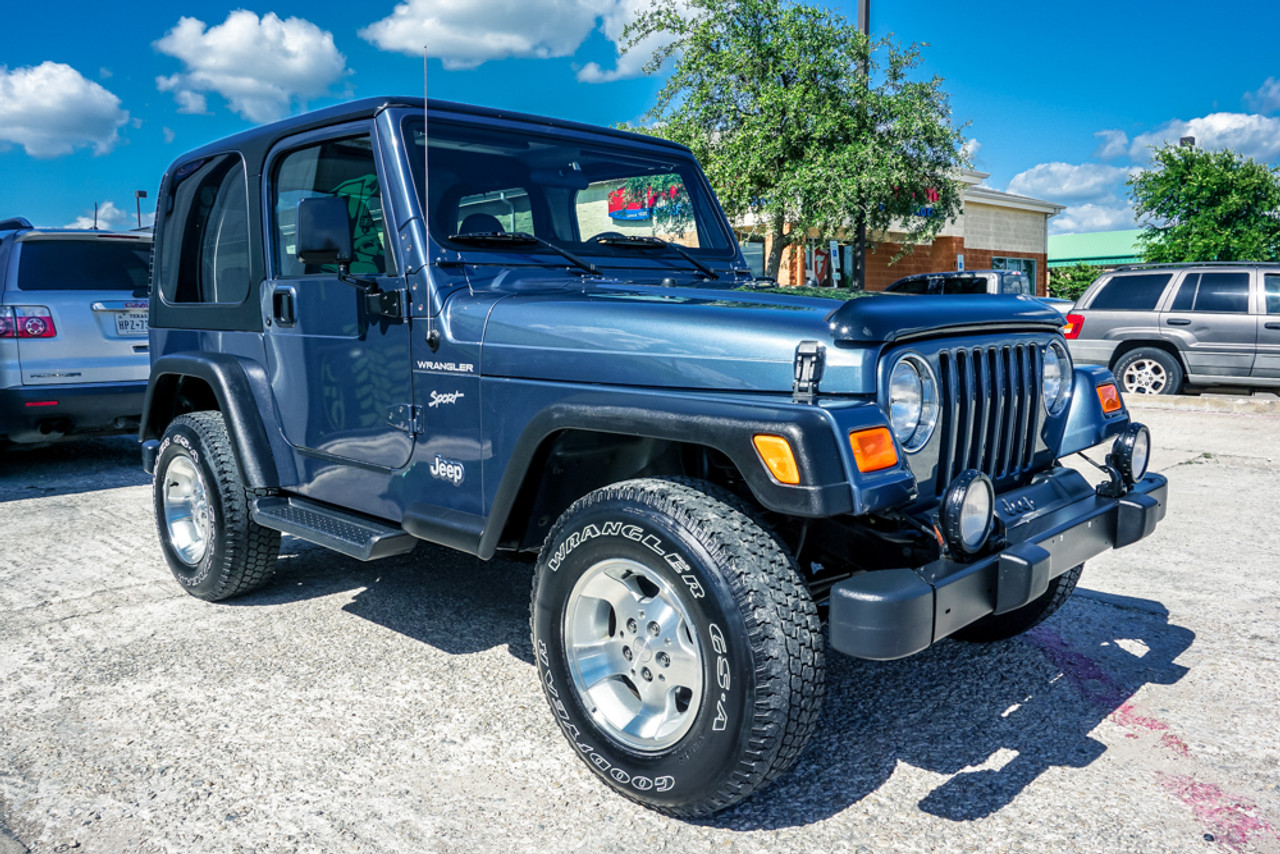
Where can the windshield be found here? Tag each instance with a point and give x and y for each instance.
(577, 194)
(84, 265)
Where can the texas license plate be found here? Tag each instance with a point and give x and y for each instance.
(131, 323)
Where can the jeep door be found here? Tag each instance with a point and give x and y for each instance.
(341, 375)
(1266, 363)
(1210, 321)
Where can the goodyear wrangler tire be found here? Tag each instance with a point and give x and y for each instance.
(998, 627)
(677, 645)
(212, 546)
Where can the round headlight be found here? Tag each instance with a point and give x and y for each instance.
(1056, 377)
(913, 402)
(1131, 452)
(966, 512)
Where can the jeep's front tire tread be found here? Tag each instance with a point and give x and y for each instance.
(242, 555)
(782, 629)
(999, 627)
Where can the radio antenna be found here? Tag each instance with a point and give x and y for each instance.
(433, 334)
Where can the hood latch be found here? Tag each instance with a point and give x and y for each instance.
(808, 370)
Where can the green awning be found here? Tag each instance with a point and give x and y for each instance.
(1098, 248)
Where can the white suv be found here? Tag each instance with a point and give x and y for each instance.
(73, 331)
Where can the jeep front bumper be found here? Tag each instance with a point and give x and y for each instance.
(893, 613)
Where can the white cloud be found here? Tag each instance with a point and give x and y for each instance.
(971, 149)
(1093, 217)
(464, 34)
(1068, 182)
(1266, 99)
(168, 134)
(111, 218)
(261, 66)
(51, 109)
(631, 63)
(1115, 143)
(1251, 135)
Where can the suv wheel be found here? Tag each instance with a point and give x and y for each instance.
(676, 643)
(212, 546)
(1149, 371)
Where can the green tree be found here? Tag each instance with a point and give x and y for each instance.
(772, 98)
(1070, 282)
(1199, 205)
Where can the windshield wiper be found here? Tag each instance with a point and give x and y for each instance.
(654, 243)
(521, 237)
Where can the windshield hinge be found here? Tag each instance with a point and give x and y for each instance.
(389, 304)
(808, 370)
(406, 418)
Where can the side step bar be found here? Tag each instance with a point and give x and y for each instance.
(351, 534)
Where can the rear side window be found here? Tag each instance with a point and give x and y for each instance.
(911, 286)
(1015, 284)
(1273, 294)
(964, 285)
(1134, 292)
(1220, 292)
(84, 265)
(211, 205)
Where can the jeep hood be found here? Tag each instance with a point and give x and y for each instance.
(693, 338)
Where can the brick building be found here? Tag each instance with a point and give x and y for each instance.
(994, 230)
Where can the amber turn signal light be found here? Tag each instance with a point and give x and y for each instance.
(1109, 397)
(778, 457)
(873, 449)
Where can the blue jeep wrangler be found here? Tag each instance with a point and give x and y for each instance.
(378, 324)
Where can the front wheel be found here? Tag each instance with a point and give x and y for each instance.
(213, 547)
(998, 627)
(677, 645)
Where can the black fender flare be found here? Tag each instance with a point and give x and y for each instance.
(243, 392)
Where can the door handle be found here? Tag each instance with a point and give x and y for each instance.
(1272, 325)
(284, 305)
(1178, 321)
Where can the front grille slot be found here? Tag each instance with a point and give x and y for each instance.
(990, 403)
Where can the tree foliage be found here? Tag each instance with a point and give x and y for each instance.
(1070, 282)
(1200, 205)
(772, 98)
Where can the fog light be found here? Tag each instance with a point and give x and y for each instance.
(1131, 453)
(966, 513)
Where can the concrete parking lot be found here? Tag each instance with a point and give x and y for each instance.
(393, 706)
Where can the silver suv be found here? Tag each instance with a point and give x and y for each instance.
(73, 331)
(1159, 327)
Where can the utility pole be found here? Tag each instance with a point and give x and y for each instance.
(859, 265)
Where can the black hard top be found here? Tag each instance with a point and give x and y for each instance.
(260, 139)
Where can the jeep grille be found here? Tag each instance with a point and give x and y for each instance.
(990, 410)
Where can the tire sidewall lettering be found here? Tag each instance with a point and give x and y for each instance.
(688, 764)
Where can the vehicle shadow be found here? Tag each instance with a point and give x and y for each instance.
(454, 602)
(993, 717)
(66, 468)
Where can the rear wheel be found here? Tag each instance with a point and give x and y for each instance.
(998, 627)
(1149, 371)
(677, 644)
(213, 547)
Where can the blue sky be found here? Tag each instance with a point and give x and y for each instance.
(1061, 100)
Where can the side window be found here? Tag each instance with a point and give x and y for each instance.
(1015, 284)
(1186, 298)
(1273, 293)
(211, 205)
(344, 168)
(1027, 266)
(1134, 292)
(1223, 292)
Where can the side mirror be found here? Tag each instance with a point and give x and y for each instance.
(324, 232)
